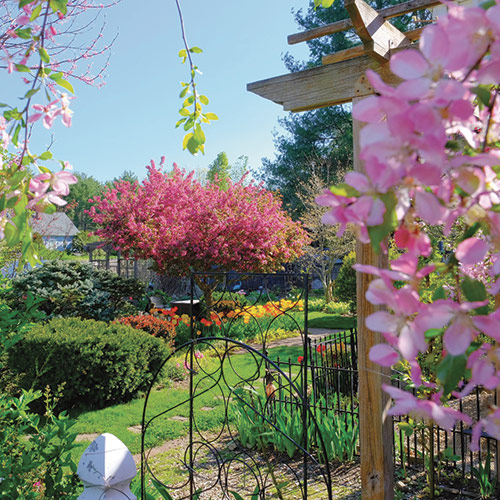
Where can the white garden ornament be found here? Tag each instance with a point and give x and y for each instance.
(106, 470)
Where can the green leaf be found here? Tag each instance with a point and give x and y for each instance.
(15, 137)
(211, 116)
(58, 78)
(475, 291)
(327, 3)
(182, 53)
(439, 293)
(236, 495)
(406, 428)
(50, 209)
(184, 91)
(2, 105)
(22, 68)
(24, 33)
(204, 99)
(22, 3)
(31, 93)
(199, 135)
(195, 50)
(450, 371)
(433, 333)
(44, 55)
(193, 145)
(471, 231)
(45, 156)
(184, 112)
(483, 94)
(378, 233)
(161, 489)
(59, 6)
(344, 189)
(180, 122)
(65, 85)
(186, 139)
(36, 12)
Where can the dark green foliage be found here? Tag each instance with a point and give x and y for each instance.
(76, 289)
(345, 283)
(264, 424)
(82, 239)
(78, 200)
(220, 169)
(31, 466)
(98, 363)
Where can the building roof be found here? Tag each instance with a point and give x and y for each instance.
(57, 224)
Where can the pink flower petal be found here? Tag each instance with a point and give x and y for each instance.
(383, 355)
(409, 64)
(471, 251)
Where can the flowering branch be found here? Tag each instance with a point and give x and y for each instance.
(432, 160)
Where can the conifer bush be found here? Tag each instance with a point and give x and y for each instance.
(76, 289)
(97, 363)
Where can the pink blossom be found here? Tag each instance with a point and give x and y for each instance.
(471, 250)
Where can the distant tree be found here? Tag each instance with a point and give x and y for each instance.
(78, 200)
(221, 170)
(184, 226)
(239, 168)
(326, 247)
(345, 283)
(126, 175)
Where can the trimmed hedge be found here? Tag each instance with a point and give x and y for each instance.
(98, 363)
(71, 289)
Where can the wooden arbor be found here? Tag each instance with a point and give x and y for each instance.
(340, 80)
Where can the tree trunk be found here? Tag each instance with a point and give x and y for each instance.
(207, 290)
(328, 288)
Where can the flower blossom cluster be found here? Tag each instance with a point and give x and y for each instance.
(431, 155)
(39, 43)
(183, 225)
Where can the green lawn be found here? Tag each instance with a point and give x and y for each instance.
(333, 321)
(119, 418)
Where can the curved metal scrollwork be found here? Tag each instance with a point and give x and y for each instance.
(267, 443)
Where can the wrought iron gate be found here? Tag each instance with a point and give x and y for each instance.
(265, 445)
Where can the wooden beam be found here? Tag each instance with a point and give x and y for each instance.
(379, 36)
(321, 86)
(375, 427)
(345, 24)
(359, 50)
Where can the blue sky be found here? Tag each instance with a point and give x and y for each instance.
(131, 119)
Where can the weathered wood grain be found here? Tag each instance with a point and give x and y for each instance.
(375, 427)
(321, 86)
(345, 24)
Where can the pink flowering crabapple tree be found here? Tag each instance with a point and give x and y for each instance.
(185, 226)
(46, 44)
(431, 150)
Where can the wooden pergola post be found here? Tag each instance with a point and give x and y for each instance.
(375, 427)
(340, 80)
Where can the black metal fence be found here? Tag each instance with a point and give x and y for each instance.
(421, 450)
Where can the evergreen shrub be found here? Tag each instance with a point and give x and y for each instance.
(98, 363)
(76, 289)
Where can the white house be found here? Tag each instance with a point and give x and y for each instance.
(56, 230)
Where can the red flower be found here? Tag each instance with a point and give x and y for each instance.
(300, 359)
(205, 322)
(321, 348)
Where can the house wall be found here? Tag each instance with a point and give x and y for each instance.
(57, 242)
